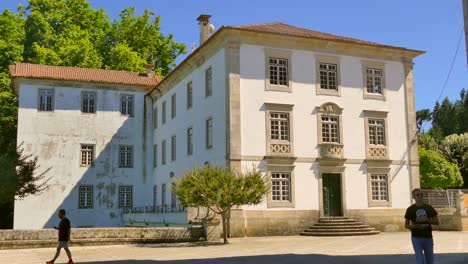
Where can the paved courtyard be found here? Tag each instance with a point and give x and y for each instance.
(450, 247)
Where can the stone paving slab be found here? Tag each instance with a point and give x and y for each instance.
(450, 247)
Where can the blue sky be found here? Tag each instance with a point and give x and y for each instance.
(430, 25)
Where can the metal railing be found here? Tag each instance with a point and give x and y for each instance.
(155, 209)
(440, 198)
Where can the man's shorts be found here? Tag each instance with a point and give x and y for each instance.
(62, 244)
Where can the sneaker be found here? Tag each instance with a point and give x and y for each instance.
(50, 262)
(70, 262)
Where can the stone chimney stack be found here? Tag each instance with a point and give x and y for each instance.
(205, 27)
(149, 70)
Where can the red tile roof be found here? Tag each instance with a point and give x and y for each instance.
(37, 71)
(287, 30)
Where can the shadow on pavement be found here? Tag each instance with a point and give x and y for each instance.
(445, 258)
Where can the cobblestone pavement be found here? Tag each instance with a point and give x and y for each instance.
(450, 247)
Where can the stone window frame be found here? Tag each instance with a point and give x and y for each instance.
(189, 141)
(371, 114)
(209, 133)
(155, 155)
(329, 109)
(281, 204)
(173, 148)
(329, 60)
(88, 200)
(163, 196)
(155, 118)
(164, 112)
(45, 93)
(163, 152)
(208, 82)
(173, 106)
(88, 111)
(378, 203)
(93, 155)
(155, 196)
(129, 150)
(280, 54)
(374, 65)
(189, 95)
(124, 191)
(284, 108)
(127, 105)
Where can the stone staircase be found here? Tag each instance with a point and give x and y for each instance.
(339, 226)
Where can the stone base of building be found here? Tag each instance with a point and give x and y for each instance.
(384, 220)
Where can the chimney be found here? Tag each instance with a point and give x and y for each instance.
(205, 27)
(149, 70)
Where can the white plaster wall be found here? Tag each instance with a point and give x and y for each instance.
(195, 117)
(305, 99)
(56, 137)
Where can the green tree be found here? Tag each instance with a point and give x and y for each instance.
(436, 171)
(443, 118)
(219, 189)
(426, 141)
(455, 150)
(422, 116)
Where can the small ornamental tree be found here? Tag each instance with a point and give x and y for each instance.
(219, 189)
(436, 171)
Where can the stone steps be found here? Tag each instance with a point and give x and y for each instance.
(339, 226)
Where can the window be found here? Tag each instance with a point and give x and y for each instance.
(173, 106)
(155, 196)
(87, 155)
(126, 105)
(163, 152)
(279, 126)
(374, 80)
(173, 198)
(88, 102)
(209, 133)
(125, 196)
(163, 195)
(208, 83)
(330, 129)
(155, 118)
(189, 95)
(189, 141)
(173, 148)
(278, 71)
(155, 155)
(379, 187)
(164, 112)
(281, 186)
(328, 76)
(85, 197)
(46, 100)
(376, 131)
(125, 156)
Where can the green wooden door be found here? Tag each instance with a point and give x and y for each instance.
(331, 194)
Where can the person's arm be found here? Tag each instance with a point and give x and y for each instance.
(409, 225)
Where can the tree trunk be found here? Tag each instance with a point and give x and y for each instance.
(224, 222)
(229, 223)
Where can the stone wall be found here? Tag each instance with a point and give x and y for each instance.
(384, 220)
(99, 236)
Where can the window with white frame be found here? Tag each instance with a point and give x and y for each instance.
(87, 155)
(279, 126)
(163, 152)
(173, 198)
(164, 112)
(126, 105)
(281, 186)
(88, 102)
(155, 118)
(173, 148)
(328, 76)
(208, 82)
(125, 196)
(46, 100)
(189, 141)
(163, 195)
(278, 71)
(379, 187)
(374, 80)
(155, 196)
(209, 133)
(189, 95)
(330, 129)
(376, 131)
(125, 156)
(173, 106)
(155, 155)
(85, 197)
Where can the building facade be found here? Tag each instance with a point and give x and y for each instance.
(329, 120)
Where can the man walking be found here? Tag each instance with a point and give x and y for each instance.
(64, 229)
(419, 217)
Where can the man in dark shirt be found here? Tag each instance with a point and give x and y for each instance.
(64, 229)
(419, 217)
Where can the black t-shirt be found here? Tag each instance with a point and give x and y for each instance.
(424, 210)
(64, 230)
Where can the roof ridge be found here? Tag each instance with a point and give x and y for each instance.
(74, 67)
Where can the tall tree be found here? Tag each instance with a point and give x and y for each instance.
(422, 116)
(443, 118)
(455, 149)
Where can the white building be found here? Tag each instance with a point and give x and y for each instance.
(329, 119)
